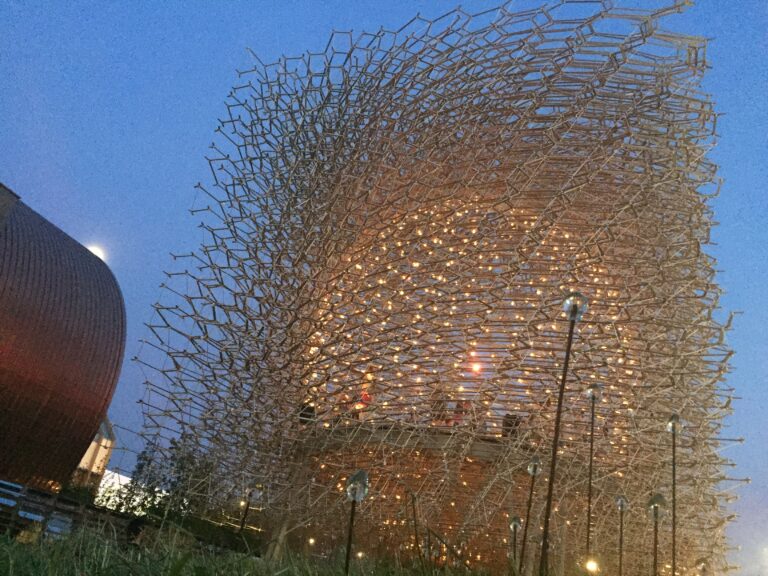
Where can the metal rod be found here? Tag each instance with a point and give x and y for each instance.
(621, 541)
(555, 442)
(245, 513)
(514, 544)
(527, 522)
(589, 489)
(674, 498)
(416, 527)
(655, 541)
(349, 537)
(429, 548)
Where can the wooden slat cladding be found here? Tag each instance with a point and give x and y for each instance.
(62, 335)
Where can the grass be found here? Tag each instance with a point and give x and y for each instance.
(171, 553)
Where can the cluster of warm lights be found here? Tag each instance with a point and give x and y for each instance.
(382, 288)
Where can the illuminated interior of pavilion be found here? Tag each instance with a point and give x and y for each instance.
(392, 226)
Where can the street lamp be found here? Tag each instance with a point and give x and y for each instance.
(534, 469)
(515, 524)
(575, 304)
(593, 393)
(622, 505)
(357, 489)
(245, 505)
(672, 426)
(656, 506)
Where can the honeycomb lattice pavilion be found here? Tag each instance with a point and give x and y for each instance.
(391, 227)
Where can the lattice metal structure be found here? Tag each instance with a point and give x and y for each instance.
(390, 230)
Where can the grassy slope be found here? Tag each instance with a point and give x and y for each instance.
(87, 554)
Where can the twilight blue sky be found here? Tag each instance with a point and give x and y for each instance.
(107, 110)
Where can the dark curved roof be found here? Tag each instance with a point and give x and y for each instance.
(62, 335)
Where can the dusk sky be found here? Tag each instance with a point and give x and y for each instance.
(107, 110)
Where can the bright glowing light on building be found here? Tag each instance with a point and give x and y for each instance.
(476, 367)
(98, 251)
(592, 566)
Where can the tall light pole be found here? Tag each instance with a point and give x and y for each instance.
(575, 304)
(357, 489)
(672, 425)
(593, 393)
(515, 524)
(246, 506)
(534, 469)
(622, 505)
(656, 506)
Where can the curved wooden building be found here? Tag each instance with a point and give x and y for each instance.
(62, 335)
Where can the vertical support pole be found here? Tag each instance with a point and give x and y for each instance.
(674, 499)
(416, 527)
(527, 522)
(655, 541)
(621, 541)
(514, 545)
(591, 457)
(349, 537)
(555, 442)
(245, 513)
(429, 548)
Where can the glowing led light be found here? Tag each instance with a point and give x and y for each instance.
(311, 541)
(592, 566)
(476, 367)
(98, 251)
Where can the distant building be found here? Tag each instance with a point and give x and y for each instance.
(62, 336)
(93, 464)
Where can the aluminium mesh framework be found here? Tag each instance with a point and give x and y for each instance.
(391, 227)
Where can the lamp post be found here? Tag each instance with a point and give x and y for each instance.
(534, 469)
(250, 495)
(622, 505)
(575, 304)
(357, 489)
(656, 506)
(593, 393)
(515, 524)
(246, 506)
(672, 425)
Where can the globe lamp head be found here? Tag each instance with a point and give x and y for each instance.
(534, 467)
(656, 504)
(594, 392)
(574, 305)
(357, 486)
(673, 424)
